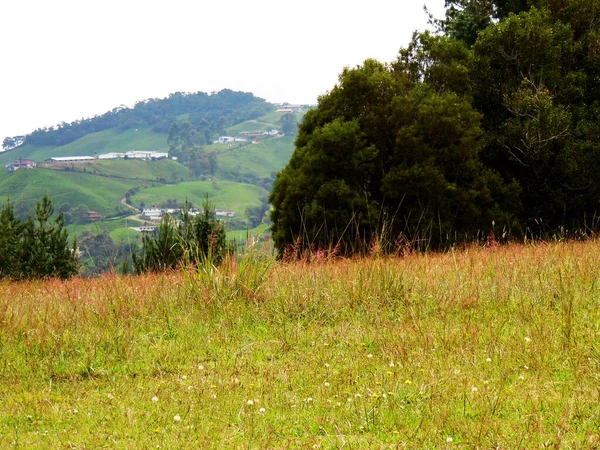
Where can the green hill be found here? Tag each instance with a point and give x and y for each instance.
(100, 142)
(258, 160)
(223, 194)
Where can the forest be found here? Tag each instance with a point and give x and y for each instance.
(487, 128)
(210, 113)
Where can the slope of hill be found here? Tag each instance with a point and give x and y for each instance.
(101, 142)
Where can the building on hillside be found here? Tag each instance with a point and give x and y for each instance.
(20, 163)
(153, 213)
(69, 159)
(112, 155)
(228, 140)
(144, 229)
(145, 154)
(94, 215)
(224, 213)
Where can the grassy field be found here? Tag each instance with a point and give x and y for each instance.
(101, 194)
(482, 348)
(223, 194)
(101, 142)
(259, 160)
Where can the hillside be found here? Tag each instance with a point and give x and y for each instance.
(92, 194)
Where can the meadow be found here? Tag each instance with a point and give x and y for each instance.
(474, 348)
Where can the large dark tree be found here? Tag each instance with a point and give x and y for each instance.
(390, 150)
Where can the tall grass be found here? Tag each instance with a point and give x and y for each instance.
(479, 348)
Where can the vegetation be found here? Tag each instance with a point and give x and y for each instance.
(491, 126)
(211, 112)
(484, 348)
(36, 248)
(194, 240)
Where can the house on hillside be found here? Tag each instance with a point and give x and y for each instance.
(228, 140)
(20, 163)
(93, 215)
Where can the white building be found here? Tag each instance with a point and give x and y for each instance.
(70, 159)
(113, 155)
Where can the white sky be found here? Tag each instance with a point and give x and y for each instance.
(62, 60)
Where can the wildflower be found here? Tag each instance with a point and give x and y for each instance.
(262, 410)
(521, 377)
(527, 339)
(449, 439)
(110, 396)
(308, 400)
(392, 364)
(489, 359)
(75, 411)
(326, 384)
(407, 382)
(456, 371)
(250, 402)
(184, 377)
(154, 398)
(369, 356)
(389, 372)
(474, 389)
(177, 418)
(200, 367)
(327, 365)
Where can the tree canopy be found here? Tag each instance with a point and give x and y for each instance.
(490, 124)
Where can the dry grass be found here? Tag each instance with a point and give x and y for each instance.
(482, 348)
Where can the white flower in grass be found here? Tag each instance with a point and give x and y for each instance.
(369, 356)
(449, 439)
(200, 367)
(110, 397)
(250, 402)
(474, 389)
(489, 359)
(262, 410)
(527, 339)
(177, 418)
(154, 398)
(326, 384)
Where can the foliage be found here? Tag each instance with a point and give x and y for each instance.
(100, 254)
(391, 148)
(38, 247)
(194, 240)
(220, 109)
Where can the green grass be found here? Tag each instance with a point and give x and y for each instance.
(101, 142)
(259, 160)
(26, 187)
(117, 227)
(484, 348)
(167, 170)
(223, 194)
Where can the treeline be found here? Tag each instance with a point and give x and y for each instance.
(212, 112)
(37, 247)
(490, 128)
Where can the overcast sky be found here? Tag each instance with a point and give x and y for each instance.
(64, 60)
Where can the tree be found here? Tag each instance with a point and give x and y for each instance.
(37, 248)
(288, 123)
(194, 240)
(385, 150)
